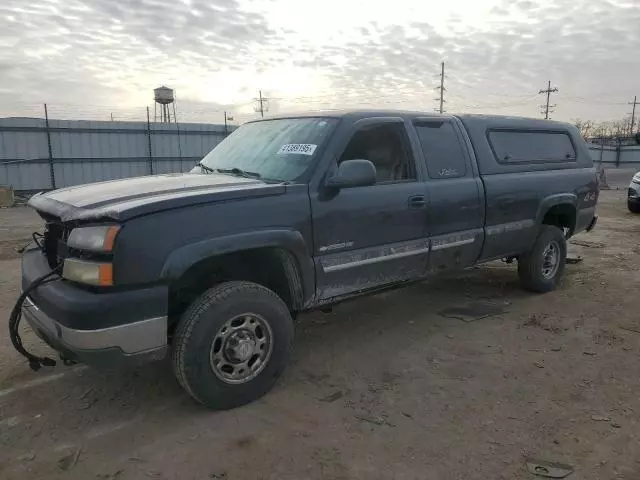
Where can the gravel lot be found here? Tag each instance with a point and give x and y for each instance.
(385, 387)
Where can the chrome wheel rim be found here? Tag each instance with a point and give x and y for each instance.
(550, 260)
(241, 348)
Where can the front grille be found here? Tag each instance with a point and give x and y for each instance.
(54, 242)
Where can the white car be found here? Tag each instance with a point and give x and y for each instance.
(633, 194)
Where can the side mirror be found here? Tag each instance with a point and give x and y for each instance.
(353, 173)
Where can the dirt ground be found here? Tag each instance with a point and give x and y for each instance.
(385, 387)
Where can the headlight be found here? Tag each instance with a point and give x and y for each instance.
(95, 239)
(636, 178)
(91, 273)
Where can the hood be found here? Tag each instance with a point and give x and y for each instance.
(124, 199)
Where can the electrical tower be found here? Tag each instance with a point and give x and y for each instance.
(262, 104)
(633, 115)
(441, 99)
(548, 92)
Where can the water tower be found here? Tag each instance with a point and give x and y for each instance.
(163, 96)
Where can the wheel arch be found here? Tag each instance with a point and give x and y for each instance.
(276, 259)
(559, 210)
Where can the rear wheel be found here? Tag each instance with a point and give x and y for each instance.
(541, 268)
(232, 344)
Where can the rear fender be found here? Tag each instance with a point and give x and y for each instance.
(552, 201)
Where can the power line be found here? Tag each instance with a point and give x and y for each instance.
(548, 91)
(442, 89)
(592, 100)
(499, 105)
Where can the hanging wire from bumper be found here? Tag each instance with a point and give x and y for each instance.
(35, 361)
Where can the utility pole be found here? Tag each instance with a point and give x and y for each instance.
(263, 105)
(548, 91)
(442, 90)
(226, 127)
(633, 115)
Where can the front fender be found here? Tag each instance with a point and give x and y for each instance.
(183, 258)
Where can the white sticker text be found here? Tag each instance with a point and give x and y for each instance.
(297, 148)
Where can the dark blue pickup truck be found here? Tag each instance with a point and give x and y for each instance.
(290, 214)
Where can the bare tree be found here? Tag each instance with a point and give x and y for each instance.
(585, 127)
(609, 132)
(620, 128)
(600, 130)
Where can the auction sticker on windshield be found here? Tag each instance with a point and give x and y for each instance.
(297, 148)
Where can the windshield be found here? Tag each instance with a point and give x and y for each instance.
(280, 149)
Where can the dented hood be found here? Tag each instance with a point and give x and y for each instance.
(124, 199)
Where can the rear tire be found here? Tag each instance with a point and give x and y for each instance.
(232, 344)
(633, 207)
(541, 268)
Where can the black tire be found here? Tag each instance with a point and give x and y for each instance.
(532, 267)
(633, 207)
(201, 325)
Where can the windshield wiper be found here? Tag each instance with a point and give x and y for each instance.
(230, 171)
(238, 172)
(205, 168)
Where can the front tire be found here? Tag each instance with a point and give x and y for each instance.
(634, 207)
(232, 344)
(541, 268)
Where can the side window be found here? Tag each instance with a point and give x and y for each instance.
(387, 147)
(513, 146)
(442, 150)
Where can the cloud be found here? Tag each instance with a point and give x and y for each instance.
(216, 53)
(99, 51)
(586, 48)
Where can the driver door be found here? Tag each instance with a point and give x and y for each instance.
(371, 236)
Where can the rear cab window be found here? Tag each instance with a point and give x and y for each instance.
(441, 148)
(531, 146)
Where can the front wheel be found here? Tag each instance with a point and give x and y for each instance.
(232, 344)
(541, 268)
(634, 207)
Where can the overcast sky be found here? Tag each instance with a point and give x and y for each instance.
(92, 57)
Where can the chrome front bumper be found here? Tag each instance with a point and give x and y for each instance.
(137, 342)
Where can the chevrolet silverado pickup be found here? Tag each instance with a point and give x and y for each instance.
(290, 214)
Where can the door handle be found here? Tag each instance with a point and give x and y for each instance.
(417, 201)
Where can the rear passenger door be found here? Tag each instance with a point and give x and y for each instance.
(456, 206)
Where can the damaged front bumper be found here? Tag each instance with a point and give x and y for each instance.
(101, 329)
(132, 343)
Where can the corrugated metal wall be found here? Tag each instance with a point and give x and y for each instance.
(610, 157)
(84, 152)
